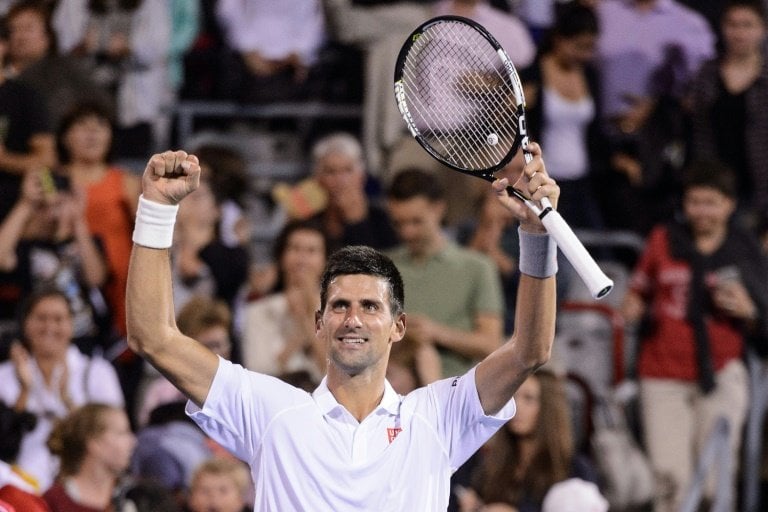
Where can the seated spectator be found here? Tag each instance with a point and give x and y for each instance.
(276, 45)
(45, 242)
(205, 319)
(220, 484)
(350, 218)
(169, 449)
(33, 58)
(227, 172)
(461, 317)
(279, 329)
(125, 46)
(84, 143)
(94, 444)
(49, 377)
(524, 460)
(26, 133)
(202, 263)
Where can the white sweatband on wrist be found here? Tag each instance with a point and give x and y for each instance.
(538, 254)
(154, 224)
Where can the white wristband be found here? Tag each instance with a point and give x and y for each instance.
(154, 224)
(538, 254)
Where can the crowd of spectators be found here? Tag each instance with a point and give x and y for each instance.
(652, 118)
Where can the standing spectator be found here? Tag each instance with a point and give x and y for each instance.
(460, 315)
(279, 329)
(111, 194)
(49, 377)
(126, 46)
(729, 104)
(532, 453)
(276, 45)
(94, 444)
(700, 285)
(350, 218)
(45, 242)
(33, 57)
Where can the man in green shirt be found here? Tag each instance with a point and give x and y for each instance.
(454, 294)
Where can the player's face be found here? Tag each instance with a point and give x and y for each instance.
(357, 323)
(417, 222)
(707, 210)
(48, 327)
(528, 402)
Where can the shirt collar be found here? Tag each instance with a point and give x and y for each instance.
(327, 403)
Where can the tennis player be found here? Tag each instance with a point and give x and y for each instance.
(353, 444)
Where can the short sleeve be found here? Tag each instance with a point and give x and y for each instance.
(240, 405)
(464, 426)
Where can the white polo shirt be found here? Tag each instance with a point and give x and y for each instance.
(307, 452)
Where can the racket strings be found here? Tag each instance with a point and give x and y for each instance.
(462, 100)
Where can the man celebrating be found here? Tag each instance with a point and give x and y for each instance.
(353, 444)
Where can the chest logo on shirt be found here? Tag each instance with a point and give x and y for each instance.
(392, 433)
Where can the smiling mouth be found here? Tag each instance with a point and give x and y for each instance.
(352, 341)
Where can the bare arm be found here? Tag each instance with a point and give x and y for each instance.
(42, 154)
(529, 347)
(152, 330)
(31, 198)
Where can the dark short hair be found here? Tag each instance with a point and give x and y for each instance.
(756, 6)
(710, 174)
(360, 259)
(75, 115)
(410, 183)
(35, 297)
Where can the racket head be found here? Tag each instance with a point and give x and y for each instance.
(460, 96)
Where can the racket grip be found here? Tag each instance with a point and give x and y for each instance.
(598, 284)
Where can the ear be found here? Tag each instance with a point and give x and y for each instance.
(398, 329)
(318, 320)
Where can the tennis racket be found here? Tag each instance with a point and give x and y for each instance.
(462, 100)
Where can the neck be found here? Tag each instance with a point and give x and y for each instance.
(752, 59)
(435, 245)
(707, 243)
(359, 394)
(86, 170)
(94, 484)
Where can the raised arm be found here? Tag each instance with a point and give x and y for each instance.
(152, 331)
(529, 347)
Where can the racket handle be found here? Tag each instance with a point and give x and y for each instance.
(598, 284)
